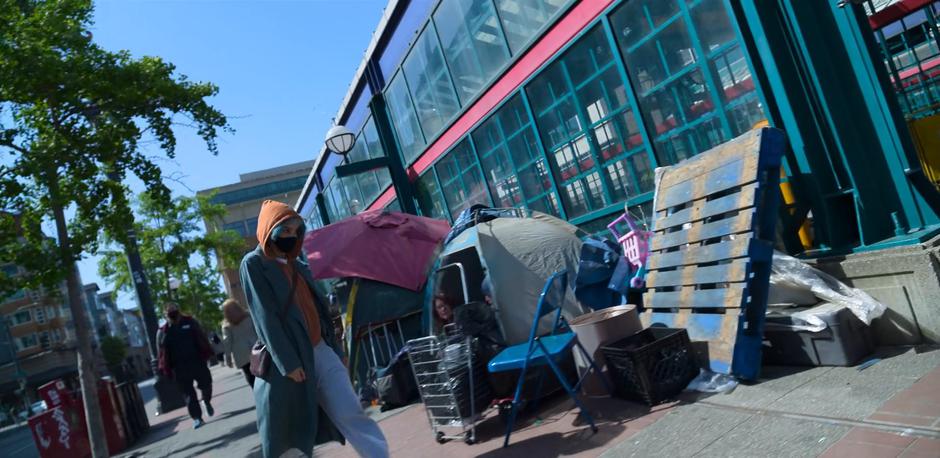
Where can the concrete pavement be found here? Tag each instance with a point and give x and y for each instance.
(827, 411)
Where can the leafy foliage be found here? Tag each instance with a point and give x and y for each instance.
(75, 121)
(114, 350)
(173, 245)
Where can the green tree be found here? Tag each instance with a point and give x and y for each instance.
(114, 350)
(73, 121)
(173, 245)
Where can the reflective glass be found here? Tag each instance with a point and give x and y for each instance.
(713, 24)
(404, 120)
(430, 200)
(430, 83)
(522, 19)
(473, 43)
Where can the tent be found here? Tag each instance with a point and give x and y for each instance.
(518, 255)
(379, 319)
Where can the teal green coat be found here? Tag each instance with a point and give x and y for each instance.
(289, 414)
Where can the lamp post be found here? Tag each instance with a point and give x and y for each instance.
(168, 395)
(340, 140)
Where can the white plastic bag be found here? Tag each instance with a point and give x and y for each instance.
(793, 279)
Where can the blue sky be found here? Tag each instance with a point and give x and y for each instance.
(282, 67)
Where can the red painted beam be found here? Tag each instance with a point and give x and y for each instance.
(574, 21)
(895, 12)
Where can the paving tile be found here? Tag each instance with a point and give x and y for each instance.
(908, 406)
(913, 454)
(926, 445)
(901, 419)
(873, 436)
(844, 449)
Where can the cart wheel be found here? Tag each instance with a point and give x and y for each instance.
(594, 429)
(440, 437)
(469, 439)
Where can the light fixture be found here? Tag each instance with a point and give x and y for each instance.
(340, 140)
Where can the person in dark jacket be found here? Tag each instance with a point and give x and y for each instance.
(183, 353)
(306, 397)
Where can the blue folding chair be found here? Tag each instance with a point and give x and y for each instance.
(545, 350)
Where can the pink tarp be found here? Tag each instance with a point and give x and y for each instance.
(389, 247)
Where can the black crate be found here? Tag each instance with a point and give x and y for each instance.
(652, 365)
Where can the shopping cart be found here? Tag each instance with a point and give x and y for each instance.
(635, 245)
(447, 370)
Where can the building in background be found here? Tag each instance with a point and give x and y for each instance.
(97, 316)
(242, 202)
(38, 340)
(138, 355)
(113, 317)
(567, 107)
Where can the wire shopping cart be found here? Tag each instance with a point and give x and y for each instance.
(447, 373)
(635, 245)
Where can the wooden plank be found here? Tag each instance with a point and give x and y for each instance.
(717, 331)
(703, 208)
(696, 254)
(689, 297)
(735, 271)
(748, 143)
(728, 176)
(700, 231)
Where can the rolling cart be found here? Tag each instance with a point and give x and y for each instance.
(447, 373)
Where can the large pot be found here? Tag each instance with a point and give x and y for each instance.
(599, 328)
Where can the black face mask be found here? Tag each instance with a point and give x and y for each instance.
(173, 315)
(285, 244)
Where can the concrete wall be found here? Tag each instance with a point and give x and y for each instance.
(907, 280)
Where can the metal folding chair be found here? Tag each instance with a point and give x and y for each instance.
(545, 350)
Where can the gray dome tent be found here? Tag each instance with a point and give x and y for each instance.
(518, 255)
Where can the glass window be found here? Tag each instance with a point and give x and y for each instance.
(522, 19)
(22, 316)
(712, 23)
(410, 139)
(461, 180)
(354, 197)
(238, 226)
(430, 199)
(393, 206)
(431, 87)
(371, 137)
(252, 225)
(44, 340)
(589, 130)
(473, 43)
(692, 79)
(26, 342)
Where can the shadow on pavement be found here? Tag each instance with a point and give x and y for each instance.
(199, 448)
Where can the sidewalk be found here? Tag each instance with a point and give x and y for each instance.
(890, 409)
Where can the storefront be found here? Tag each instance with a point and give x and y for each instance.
(567, 107)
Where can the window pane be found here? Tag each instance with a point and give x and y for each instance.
(547, 88)
(512, 116)
(522, 19)
(632, 21)
(473, 43)
(583, 195)
(733, 74)
(745, 116)
(603, 96)
(371, 136)
(354, 197)
(430, 200)
(663, 55)
(501, 178)
(430, 84)
(358, 151)
(369, 187)
(535, 179)
(546, 204)
(587, 56)
(523, 148)
(712, 23)
(404, 119)
(461, 180)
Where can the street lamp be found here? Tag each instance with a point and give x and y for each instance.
(340, 140)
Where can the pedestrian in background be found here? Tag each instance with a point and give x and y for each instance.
(306, 377)
(238, 336)
(183, 352)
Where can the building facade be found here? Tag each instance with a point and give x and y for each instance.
(567, 107)
(37, 339)
(243, 201)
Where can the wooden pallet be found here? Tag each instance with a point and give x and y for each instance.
(712, 245)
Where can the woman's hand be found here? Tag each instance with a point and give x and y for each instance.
(297, 375)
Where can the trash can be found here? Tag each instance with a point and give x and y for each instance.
(599, 328)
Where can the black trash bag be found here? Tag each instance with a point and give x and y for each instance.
(477, 319)
(596, 268)
(396, 384)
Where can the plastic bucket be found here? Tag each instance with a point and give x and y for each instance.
(599, 328)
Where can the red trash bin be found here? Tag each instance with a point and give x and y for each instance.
(60, 433)
(111, 415)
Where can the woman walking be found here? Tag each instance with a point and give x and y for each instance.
(238, 336)
(306, 395)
